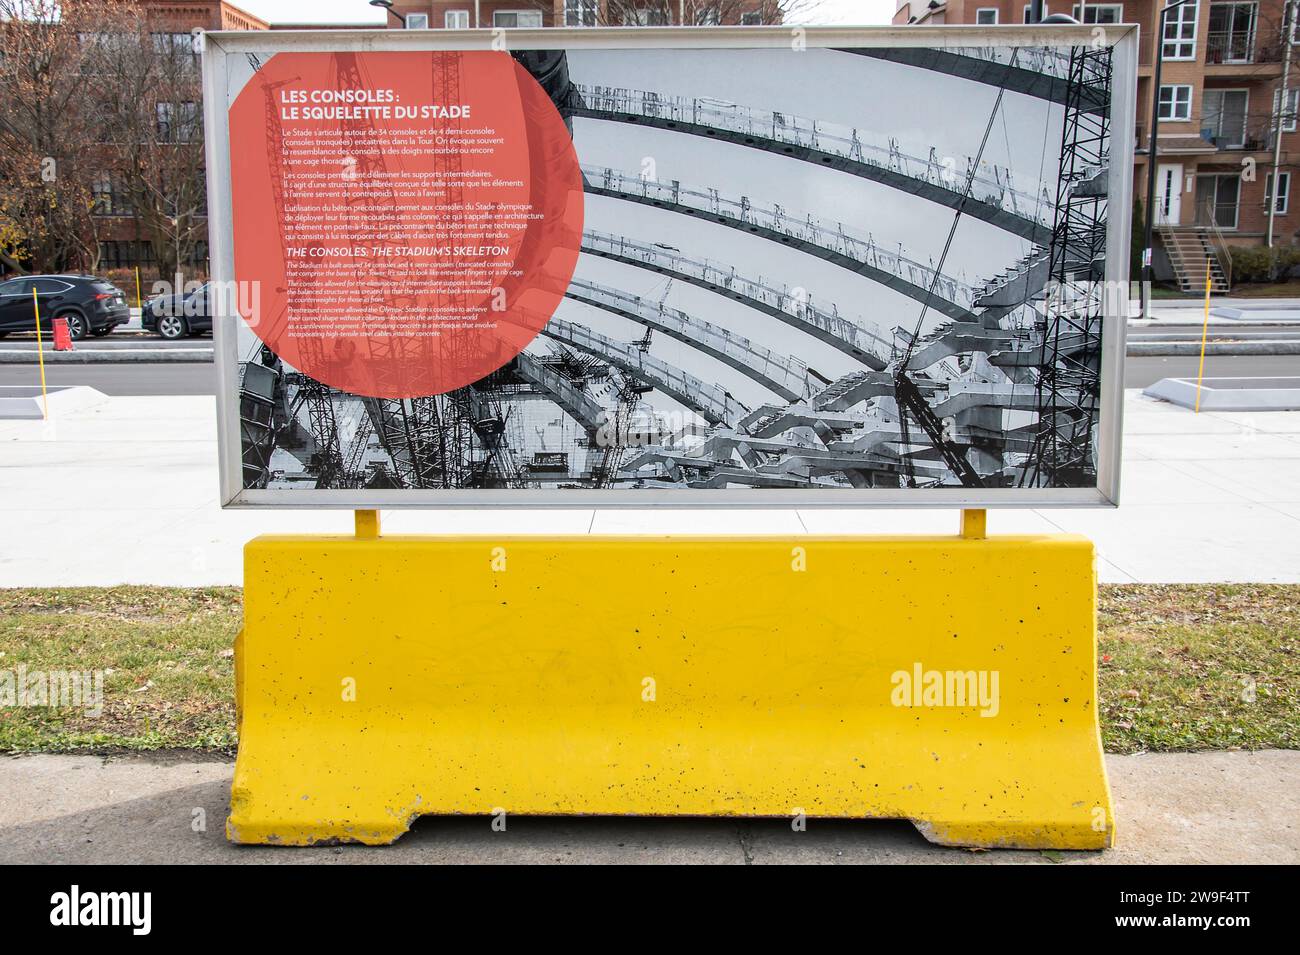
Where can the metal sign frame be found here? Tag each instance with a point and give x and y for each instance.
(1123, 39)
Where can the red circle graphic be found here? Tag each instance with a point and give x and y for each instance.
(410, 220)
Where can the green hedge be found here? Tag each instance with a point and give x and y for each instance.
(1259, 264)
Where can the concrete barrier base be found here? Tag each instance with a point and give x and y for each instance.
(944, 680)
(1229, 394)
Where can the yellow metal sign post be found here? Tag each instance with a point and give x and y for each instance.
(40, 355)
(709, 676)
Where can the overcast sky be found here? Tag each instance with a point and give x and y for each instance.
(359, 11)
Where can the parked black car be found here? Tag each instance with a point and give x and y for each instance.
(92, 306)
(175, 316)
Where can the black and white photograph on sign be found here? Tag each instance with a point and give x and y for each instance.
(788, 279)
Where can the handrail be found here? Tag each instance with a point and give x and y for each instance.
(1217, 241)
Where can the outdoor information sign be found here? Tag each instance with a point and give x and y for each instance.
(763, 266)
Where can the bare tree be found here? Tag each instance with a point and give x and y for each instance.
(590, 13)
(149, 92)
(100, 116)
(47, 135)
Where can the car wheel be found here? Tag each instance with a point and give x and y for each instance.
(172, 327)
(77, 328)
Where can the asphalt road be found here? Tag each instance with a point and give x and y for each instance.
(201, 379)
(197, 378)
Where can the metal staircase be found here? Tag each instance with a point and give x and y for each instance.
(1192, 249)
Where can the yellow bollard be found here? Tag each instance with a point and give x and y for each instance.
(1205, 334)
(40, 356)
(943, 680)
(139, 302)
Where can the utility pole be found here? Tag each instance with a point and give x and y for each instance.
(1148, 273)
(1288, 33)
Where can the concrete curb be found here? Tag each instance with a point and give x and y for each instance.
(108, 356)
(1175, 349)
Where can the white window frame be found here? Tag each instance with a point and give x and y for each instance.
(581, 13)
(1245, 113)
(1285, 197)
(988, 23)
(1184, 47)
(417, 21)
(1236, 209)
(455, 20)
(1251, 34)
(1173, 116)
(1029, 11)
(1292, 94)
(517, 14)
(1117, 10)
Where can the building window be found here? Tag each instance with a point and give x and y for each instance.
(1288, 114)
(1284, 192)
(417, 21)
(1231, 36)
(754, 19)
(1180, 32)
(108, 197)
(1176, 103)
(121, 254)
(178, 122)
(580, 13)
(1029, 12)
(708, 17)
(517, 18)
(456, 19)
(1217, 198)
(1100, 13)
(1223, 116)
(986, 16)
(101, 196)
(178, 48)
(645, 18)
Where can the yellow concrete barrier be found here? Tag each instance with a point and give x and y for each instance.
(946, 680)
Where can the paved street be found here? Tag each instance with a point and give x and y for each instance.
(163, 379)
(1170, 808)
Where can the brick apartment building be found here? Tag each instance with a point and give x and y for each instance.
(469, 14)
(172, 23)
(1219, 84)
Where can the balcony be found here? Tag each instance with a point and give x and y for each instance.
(1254, 52)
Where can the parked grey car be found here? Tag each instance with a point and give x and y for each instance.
(175, 316)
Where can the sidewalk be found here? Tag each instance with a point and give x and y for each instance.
(1191, 311)
(125, 491)
(1170, 808)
